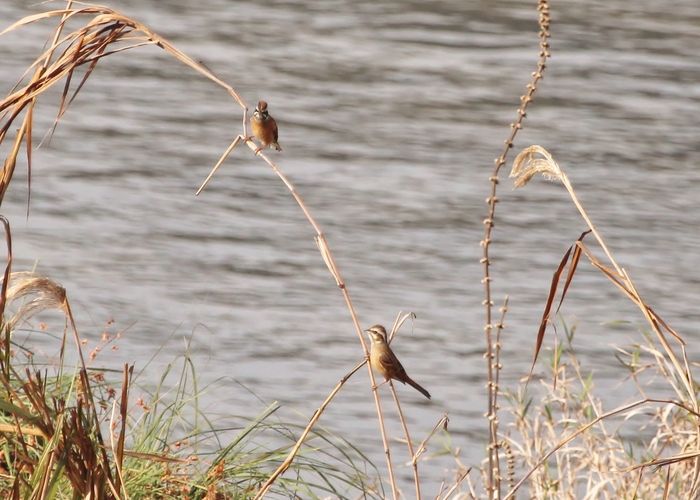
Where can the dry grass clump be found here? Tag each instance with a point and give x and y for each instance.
(80, 435)
(574, 448)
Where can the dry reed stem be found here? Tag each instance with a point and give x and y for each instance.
(123, 411)
(414, 463)
(219, 163)
(525, 166)
(119, 479)
(400, 320)
(3, 295)
(442, 424)
(27, 431)
(398, 323)
(456, 485)
(492, 354)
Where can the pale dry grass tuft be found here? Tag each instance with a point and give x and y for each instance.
(526, 165)
(47, 295)
(573, 448)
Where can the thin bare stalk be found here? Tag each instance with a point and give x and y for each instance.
(442, 424)
(219, 163)
(454, 487)
(414, 462)
(493, 474)
(314, 418)
(496, 364)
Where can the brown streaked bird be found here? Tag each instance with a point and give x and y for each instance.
(385, 362)
(264, 127)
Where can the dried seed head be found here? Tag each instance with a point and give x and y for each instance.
(526, 165)
(49, 295)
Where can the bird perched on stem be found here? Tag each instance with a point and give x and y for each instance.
(385, 362)
(264, 127)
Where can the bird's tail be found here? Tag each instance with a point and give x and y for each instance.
(417, 387)
(276, 146)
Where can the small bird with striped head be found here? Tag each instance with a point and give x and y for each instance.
(264, 127)
(385, 362)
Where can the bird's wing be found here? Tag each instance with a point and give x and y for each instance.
(392, 366)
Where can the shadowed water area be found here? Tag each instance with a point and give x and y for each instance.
(390, 115)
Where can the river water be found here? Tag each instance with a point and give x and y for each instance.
(390, 114)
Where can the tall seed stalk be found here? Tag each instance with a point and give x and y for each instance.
(493, 344)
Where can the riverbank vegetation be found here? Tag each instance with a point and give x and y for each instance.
(72, 430)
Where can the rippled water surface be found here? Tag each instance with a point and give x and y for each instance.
(390, 116)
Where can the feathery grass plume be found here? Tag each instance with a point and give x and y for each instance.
(526, 165)
(48, 295)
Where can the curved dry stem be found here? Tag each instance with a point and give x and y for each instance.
(456, 485)
(525, 166)
(333, 268)
(398, 323)
(442, 424)
(86, 45)
(314, 418)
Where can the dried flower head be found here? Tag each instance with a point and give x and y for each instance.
(48, 295)
(526, 165)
